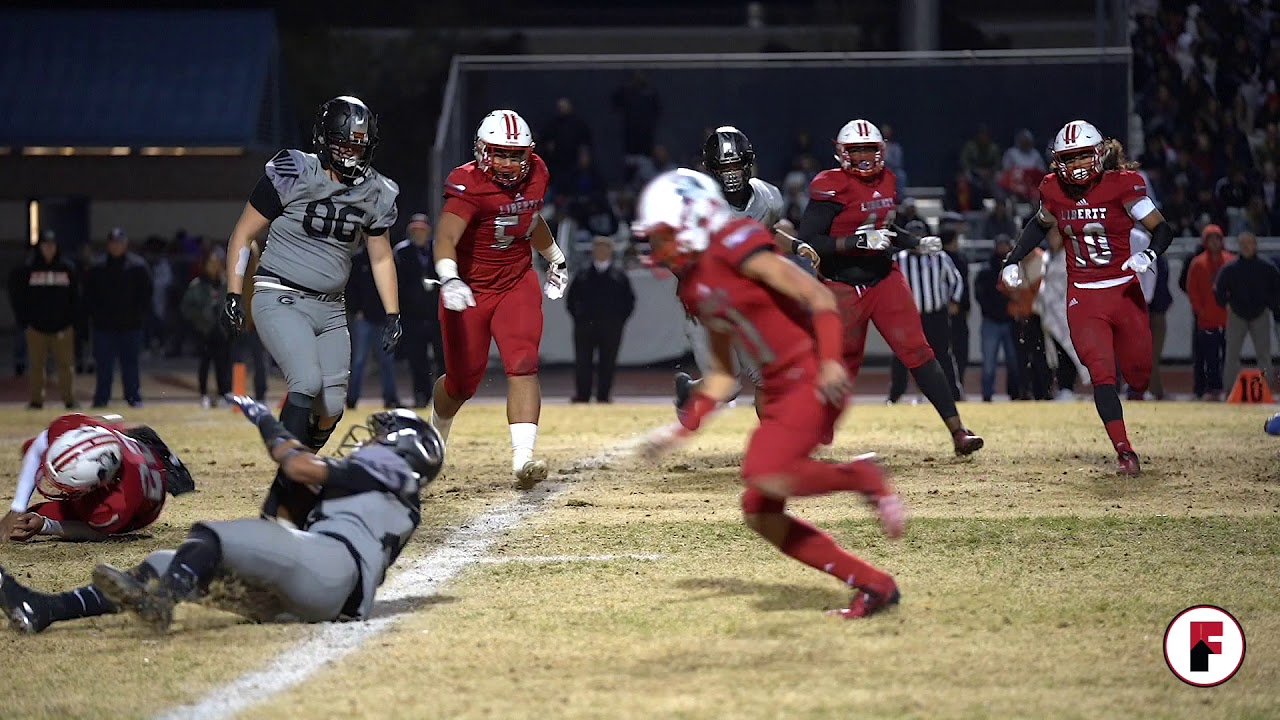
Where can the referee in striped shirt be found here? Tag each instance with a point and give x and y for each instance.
(937, 286)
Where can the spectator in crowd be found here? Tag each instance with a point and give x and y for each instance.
(1051, 306)
(153, 252)
(201, 309)
(999, 222)
(118, 294)
(637, 101)
(893, 157)
(951, 235)
(1157, 313)
(1028, 335)
(364, 303)
(419, 309)
(46, 299)
(600, 300)
(1211, 316)
(936, 285)
(559, 141)
(980, 159)
(997, 325)
(1022, 167)
(1249, 287)
(961, 195)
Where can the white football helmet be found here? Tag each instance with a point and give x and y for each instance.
(685, 204)
(863, 138)
(78, 461)
(1077, 153)
(507, 134)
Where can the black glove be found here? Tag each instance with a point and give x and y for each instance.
(233, 315)
(391, 332)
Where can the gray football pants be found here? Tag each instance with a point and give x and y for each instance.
(701, 345)
(308, 339)
(310, 576)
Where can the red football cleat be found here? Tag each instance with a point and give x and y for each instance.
(867, 602)
(1127, 460)
(966, 442)
(893, 515)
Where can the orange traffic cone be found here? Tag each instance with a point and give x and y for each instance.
(238, 382)
(1250, 387)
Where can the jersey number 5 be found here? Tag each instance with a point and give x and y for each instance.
(322, 219)
(1092, 245)
(502, 238)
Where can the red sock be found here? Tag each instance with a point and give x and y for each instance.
(814, 477)
(1117, 433)
(816, 549)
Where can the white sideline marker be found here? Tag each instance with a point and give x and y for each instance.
(468, 545)
(550, 559)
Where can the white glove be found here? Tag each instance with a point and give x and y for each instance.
(1012, 275)
(873, 238)
(1141, 262)
(557, 281)
(456, 295)
(930, 245)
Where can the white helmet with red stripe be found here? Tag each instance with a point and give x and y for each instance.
(860, 148)
(678, 211)
(78, 461)
(504, 136)
(1077, 153)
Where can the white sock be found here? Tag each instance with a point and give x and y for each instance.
(441, 424)
(523, 436)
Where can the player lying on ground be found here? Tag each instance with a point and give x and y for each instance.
(368, 507)
(727, 156)
(1094, 198)
(101, 477)
(488, 287)
(849, 222)
(742, 289)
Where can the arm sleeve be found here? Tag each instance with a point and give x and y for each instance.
(265, 199)
(27, 476)
(1161, 238)
(815, 224)
(1032, 235)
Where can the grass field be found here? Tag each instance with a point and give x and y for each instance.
(1035, 582)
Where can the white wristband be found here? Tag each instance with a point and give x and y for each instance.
(553, 255)
(242, 262)
(446, 269)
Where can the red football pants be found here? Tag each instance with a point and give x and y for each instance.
(891, 307)
(512, 318)
(1110, 324)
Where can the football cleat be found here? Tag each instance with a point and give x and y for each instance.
(867, 602)
(530, 474)
(150, 601)
(684, 387)
(893, 515)
(1127, 460)
(27, 610)
(966, 442)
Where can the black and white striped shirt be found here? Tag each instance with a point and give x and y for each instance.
(934, 280)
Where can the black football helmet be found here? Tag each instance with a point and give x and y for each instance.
(729, 158)
(345, 136)
(406, 434)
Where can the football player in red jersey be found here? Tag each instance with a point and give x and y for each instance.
(488, 287)
(849, 223)
(1094, 198)
(100, 477)
(743, 290)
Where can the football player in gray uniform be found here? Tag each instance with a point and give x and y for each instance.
(316, 209)
(368, 506)
(728, 157)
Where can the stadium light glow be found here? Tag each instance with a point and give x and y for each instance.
(33, 222)
(213, 150)
(69, 150)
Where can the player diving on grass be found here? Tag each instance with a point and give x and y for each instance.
(368, 505)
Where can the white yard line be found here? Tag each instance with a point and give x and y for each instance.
(549, 559)
(466, 546)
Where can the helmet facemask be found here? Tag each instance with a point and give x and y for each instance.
(345, 137)
(865, 160)
(1078, 166)
(505, 165)
(733, 176)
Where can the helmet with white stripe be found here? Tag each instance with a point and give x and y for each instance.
(78, 461)
(503, 147)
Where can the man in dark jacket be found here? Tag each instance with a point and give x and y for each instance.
(420, 308)
(364, 303)
(960, 318)
(118, 294)
(1249, 287)
(997, 324)
(1158, 310)
(599, 300)
(47, 296)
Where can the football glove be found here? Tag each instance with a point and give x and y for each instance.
(252, 409)
(232, 315)
(1141, 262)
(870, 237)
(557, 281)
(1011, 275)
(456, 295)
(391, 332)
(930, 245)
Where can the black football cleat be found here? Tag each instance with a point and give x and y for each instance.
(28, 611)
(684, 388)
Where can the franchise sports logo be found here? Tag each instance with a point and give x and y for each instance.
(1204, 646)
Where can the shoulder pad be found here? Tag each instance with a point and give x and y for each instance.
(827, 184)
(286, 163)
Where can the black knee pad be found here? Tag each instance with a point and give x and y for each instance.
(316, 437)
(296, 415)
